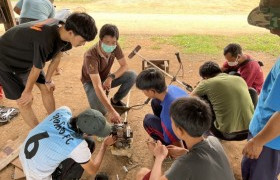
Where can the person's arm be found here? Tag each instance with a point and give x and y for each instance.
(160, 153)
(122, 69)
(254, 146)
(270, 131)
(249, 74)
(178, 143)
(26, 96)
(96, 81)
(175, 151)
(51, 69)
(122, 62)
(225, 67)
(93, 165)
(200, 89)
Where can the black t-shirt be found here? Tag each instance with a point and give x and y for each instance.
(30, 44)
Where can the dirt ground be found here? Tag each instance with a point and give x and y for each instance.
(168, 17)
(69, 92)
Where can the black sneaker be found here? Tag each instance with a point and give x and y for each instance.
(119, 103)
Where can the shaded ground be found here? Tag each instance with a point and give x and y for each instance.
(69, 92)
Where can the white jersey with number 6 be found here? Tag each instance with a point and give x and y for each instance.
(50, 143)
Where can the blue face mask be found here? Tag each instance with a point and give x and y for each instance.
(108, 49)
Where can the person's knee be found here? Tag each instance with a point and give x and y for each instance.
(24, 107)
(155, 103)
(142, 173)
(147, 120)
(131, 76)
(44, 90)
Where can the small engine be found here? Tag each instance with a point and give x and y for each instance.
(124, 135)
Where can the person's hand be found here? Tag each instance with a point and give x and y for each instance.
(107, 84)
(110, 140)
(25, 99)
(114, 116)
(252, 149)
(50, 85)
(175, 151)
(160, 151)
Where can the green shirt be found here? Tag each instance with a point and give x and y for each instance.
(231, 101)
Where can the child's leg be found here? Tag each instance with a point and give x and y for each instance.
(152, 124)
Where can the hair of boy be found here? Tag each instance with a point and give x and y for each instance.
(209, 69)
(73, 123)
(192, 115)
(234, 49)
(151, 79)
(109, 30)
(82, 24)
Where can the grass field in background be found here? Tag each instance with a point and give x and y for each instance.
(214, 44)
(209, 44)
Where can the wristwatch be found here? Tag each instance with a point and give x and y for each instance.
(112, 76)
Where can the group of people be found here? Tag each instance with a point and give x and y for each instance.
(183, 126)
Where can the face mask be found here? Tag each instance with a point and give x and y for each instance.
(235, 63)
(108, 49)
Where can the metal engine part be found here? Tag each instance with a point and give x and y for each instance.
(124, 135)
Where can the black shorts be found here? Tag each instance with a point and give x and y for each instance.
(13, 83)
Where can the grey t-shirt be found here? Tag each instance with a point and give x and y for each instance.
(206, 160)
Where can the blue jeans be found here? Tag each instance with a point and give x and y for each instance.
(126, 81)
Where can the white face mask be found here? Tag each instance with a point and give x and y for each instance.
(235, 63)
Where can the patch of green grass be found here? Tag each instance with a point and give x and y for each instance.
(214, 44)
(156, 47)
(261, 43)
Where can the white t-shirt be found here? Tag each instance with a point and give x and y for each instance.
(49, 143)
